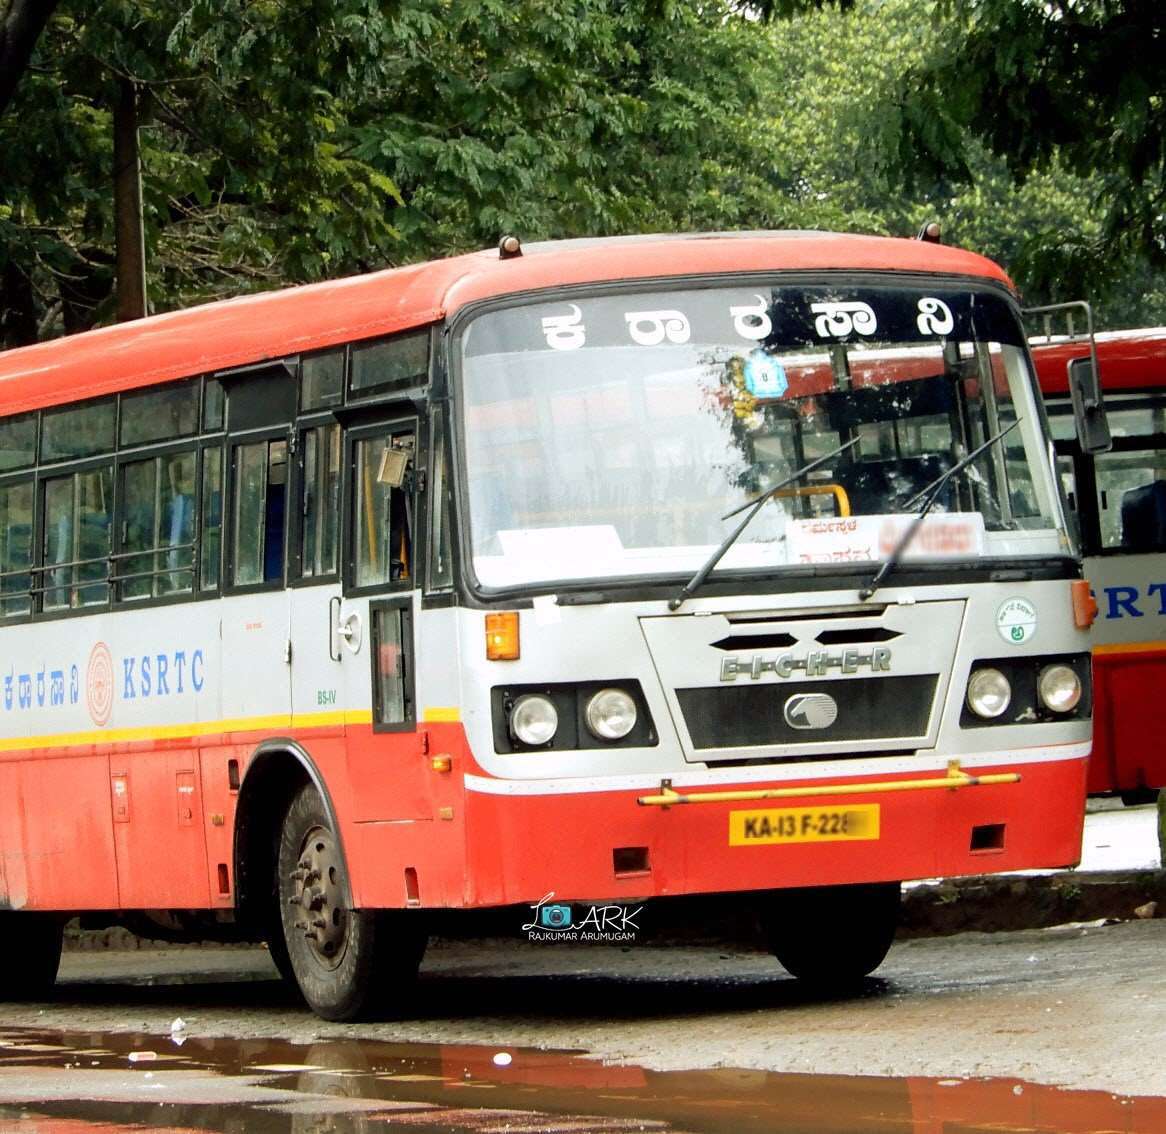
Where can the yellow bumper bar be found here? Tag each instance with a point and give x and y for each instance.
(955, 778)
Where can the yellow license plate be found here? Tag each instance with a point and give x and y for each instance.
(804, 825)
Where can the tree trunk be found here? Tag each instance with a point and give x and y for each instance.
(127, 206)
(21, 22)
(18, 325)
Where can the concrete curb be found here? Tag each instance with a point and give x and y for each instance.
(987, 903)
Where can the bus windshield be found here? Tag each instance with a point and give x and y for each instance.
(606, 436)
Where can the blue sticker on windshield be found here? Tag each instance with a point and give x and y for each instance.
(765, 376)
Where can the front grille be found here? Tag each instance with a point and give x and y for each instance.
(869, 708)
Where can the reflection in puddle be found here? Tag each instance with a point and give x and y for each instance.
(102, 1084)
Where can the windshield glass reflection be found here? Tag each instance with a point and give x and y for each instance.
(609, 436)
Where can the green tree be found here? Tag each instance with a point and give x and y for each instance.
(246, 181)
(1076, 82)
(856, 151)
(290, 142)
(21, 22)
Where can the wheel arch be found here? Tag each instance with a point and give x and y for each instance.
(278, 768)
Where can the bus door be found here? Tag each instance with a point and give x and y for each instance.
(255, 611)
(168, 657)
(317, 698)
(371, 625)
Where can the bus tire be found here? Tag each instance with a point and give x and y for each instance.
(277, 945)
(349, 964)
(832, 935)
(30, 954)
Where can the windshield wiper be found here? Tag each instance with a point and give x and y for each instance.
(928, 495)
(754, 507)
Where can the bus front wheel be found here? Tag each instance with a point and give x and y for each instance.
(348, 963)
(30, 954)
(832, 935)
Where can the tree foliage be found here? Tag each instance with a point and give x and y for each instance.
(21, 22)
(289, 142)
(1075, 84)
(859, 152)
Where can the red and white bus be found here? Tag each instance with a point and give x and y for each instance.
(587, 571)
(1119, 499)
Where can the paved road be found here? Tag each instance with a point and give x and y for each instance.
(1079, 1006)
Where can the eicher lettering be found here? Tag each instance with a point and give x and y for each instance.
(815, 664)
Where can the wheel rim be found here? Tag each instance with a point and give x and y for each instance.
(317, 897)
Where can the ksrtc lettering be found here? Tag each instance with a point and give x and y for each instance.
(1128, 601)
(162, 675)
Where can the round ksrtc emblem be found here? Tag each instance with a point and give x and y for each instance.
(99, 684)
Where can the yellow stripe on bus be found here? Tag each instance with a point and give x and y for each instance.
(434, 714)
(1129, 647)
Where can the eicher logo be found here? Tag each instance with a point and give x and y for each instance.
(555, 921)
(814, 664)
(810, 710)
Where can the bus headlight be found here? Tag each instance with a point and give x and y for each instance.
(989, 693)
(611, 714)
(533, 720)
(1059, 688)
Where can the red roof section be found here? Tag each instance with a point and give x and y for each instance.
(1126, 360)
(275, 324)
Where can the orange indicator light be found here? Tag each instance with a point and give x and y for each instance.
(1084, 604)
(502, 636)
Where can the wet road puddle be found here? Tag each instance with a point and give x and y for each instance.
(86, 1083)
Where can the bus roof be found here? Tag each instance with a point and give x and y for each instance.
(1127, 360)
(275, 324)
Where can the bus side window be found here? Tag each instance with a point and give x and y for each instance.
(259, 512)
(15, 549)
(383, 503)
(157, 527)
(1131, 499)
(1067, 482)
(320, 500)
(1143, 517)
(440, 561)
(392, 637)
(135, 572)
(76, 542)
(211, 522)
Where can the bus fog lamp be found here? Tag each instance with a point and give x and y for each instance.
(533, 720)
(1059, 688)
(989, 693)
(611, 714)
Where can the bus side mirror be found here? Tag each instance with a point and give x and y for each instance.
(1088, 407)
